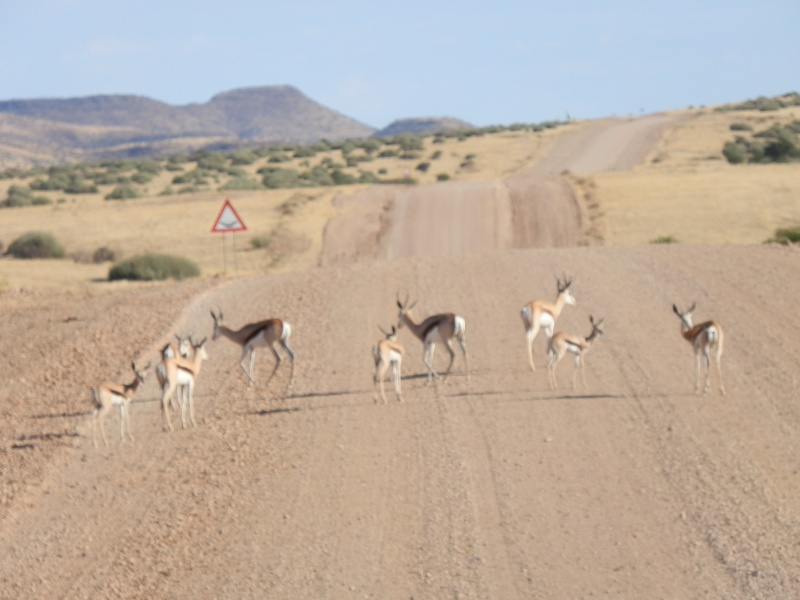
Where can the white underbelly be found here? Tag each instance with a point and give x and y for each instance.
(434, 337)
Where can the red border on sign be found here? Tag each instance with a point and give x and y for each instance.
(227, 204)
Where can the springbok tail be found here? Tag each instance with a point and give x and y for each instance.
(526, 314)
(287, 331)
(460, 327)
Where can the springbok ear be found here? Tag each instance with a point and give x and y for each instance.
(133, 366)
(394, 329)
(677, 312)
(399, 305)
(413, 304)
(691, 308)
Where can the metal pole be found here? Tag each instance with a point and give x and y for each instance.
(235, 256)
(225, 253)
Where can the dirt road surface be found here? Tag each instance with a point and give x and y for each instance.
(494, 487)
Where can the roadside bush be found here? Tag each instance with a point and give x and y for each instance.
(665, 239)
(152, 267)
(36, 244)
(123, 192)
(790, 235)
(260, 242)
(442, 177)
(740, 127)
(777, 144)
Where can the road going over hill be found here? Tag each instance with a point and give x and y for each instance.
(490, 488)
(533, 208)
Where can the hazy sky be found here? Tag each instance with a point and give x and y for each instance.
(490, 62)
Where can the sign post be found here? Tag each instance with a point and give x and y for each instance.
(228, 221)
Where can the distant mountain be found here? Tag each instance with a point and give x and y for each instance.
(56, 130)
(422, 125)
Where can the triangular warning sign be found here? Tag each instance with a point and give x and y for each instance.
(228, 220)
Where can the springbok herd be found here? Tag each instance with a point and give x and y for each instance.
(181, 363)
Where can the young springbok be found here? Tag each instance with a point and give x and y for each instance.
(387, 352)
(169, 351)
(109, 394)
(435, 329)
(561, 343)
(542, 314)
(250, 337)
(182, 371)
(704, 338)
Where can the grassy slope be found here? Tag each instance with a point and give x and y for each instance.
(689, 191)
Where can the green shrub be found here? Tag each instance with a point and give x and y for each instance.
(342, 178)
(442, 177)
(243, 156)
(18, 196)
(142, 178)
(123, 192)
(368, 177)
(104, 254)
(740, 127)
(241, 183)
(665, 239)
(260, 242)
(423, 167)
(790, 235)
(281, 178)
(36, 244)
(151, 267)
(735, 152)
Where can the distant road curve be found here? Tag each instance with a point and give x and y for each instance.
(533, 208)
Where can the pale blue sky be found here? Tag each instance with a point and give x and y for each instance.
(492, 62)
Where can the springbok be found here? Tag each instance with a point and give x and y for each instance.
(109, 394)
(540, 314)
(561, 343)
(182, 371)
(169, 351)
(250, 337)
(704, 338)
(387, 352)
(437, 328)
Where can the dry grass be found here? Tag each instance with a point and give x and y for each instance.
(685, 190)
(180, 224)
(689, 191)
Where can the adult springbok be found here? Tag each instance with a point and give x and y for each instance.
(705, 338)
(561, 343)
(263, 333)
(109, 394)
(182, 371)
(441, 328)
(540, 314)
(388, 352)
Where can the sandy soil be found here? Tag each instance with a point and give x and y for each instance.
(492, 488)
